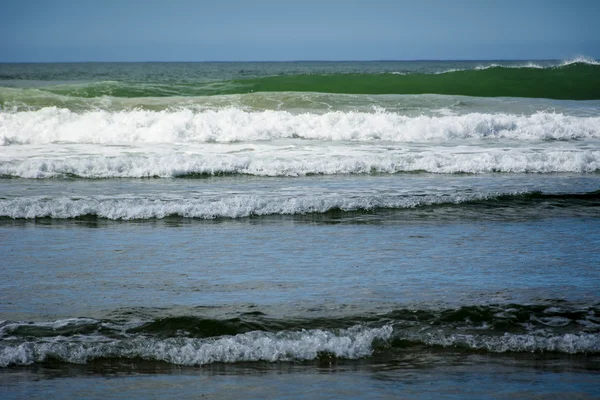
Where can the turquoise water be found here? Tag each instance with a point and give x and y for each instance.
(162, 236)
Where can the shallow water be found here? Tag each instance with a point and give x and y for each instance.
(82, 269)
(452, 376)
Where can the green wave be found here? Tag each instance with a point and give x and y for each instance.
(554, 315)
(577, 81)
(497, 318)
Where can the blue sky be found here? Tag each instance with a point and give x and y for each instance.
(236, 30)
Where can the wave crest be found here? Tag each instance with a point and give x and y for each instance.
(242, 206)
(228, 125)
(304, 163)
(352, 343)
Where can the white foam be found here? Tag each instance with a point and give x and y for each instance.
(495, 65)
(527, 65)
(228, 125)
(530, 64)
(238, 206)
(7, 328)
(566, 343)
(581, 60)
(301, 161)
(352, 343)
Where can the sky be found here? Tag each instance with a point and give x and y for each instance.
(269, 30)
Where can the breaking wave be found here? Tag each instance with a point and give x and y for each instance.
(194, 340)
(228, 125)
(304, 163)
(242, 206)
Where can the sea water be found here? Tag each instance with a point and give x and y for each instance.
(299, 230)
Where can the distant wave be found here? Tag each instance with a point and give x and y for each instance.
(577, 79)
(531, 64)
(572, 81)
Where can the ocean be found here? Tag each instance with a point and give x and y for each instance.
(392, 229)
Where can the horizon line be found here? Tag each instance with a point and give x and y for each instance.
(302, 60)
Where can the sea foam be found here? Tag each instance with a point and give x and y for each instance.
(234, 206)
(569, 343)
(228, 125)
(317, 160)
(352, 343)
